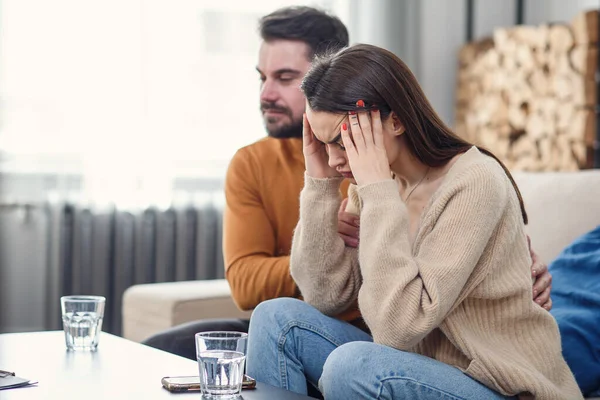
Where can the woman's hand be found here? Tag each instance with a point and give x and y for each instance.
(365, 149)
(348, 225)
(542, 279)
(315, 156)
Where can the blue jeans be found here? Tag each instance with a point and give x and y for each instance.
(293, 345)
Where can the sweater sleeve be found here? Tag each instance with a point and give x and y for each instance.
(406, 293)
(254, 273)
(325, 270)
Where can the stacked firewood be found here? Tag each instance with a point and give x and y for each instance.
(528, 94)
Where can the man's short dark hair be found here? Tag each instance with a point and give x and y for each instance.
(320, 31)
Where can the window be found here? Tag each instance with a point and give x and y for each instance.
(125, 91)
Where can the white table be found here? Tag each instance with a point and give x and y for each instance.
(120, 369)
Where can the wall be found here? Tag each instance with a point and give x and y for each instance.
(541, 11)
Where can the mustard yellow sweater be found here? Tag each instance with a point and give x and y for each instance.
(461, 294)
(262, 191)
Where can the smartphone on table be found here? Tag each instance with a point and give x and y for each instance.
(179, 384)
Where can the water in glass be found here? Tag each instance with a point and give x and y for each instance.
(221, 371)
(82, 330)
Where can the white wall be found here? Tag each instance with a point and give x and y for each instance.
(541, 11)
(441, 32)
(492, 14)
(382, 23)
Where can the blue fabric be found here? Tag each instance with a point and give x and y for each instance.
(292, 345)
(576, 307)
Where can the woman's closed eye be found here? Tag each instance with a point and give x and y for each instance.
(339, 145)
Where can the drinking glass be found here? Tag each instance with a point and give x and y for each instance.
(221, 359)
(82, 321)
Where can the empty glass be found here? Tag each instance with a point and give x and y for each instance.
(221, 359)
(82, 321)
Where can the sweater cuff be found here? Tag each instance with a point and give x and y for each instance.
(328, 187)
(382, 191)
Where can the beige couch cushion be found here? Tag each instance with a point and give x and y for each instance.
(561, 206)
(151, 308)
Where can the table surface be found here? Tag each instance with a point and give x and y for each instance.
(120, 369)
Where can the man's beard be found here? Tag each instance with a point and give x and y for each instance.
(291, 130)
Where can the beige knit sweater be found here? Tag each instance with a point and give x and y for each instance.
(461, 294)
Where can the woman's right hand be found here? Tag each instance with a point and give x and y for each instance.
(315, 156)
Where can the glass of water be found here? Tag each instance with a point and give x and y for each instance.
(82, 321)
(221, 359)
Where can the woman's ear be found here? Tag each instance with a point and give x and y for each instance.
(397, 126)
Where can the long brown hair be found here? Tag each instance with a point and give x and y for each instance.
(336, 81)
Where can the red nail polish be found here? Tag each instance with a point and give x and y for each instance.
(344, 126)
(352, 112)
(360, 103)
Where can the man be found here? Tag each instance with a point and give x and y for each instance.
(264, 179)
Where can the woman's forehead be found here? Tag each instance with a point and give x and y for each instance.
(325, 125)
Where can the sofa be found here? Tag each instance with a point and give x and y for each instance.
(561, 207)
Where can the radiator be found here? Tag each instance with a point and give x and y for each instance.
(104, 251)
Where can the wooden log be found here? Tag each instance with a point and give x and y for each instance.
(545, 152)
(582, 127)
(529, 164)
(509, 62)
(585, 27)
(524, 58)
(584, 92)
(541, 57)
(524, 147)
(584, 60)
(517, 115)
(567, 161)
(501, 37)
(562, 85)
(519, 91)
(498, 145)
(540, 84)
(473, 50)
(564, 116)
(498, 112)
(536, 126)
(560, 39)
(504, 130)
(491, 59)
(466, 54)
(467, 90)
(555, 158)
(579, 150)
(576, 127)
(499, 79)
(559, 64)
(460, 128)
(535, 37)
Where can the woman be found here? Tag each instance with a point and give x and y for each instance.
(442, 272)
